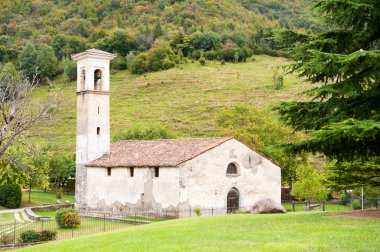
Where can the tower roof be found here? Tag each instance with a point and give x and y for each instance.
(95, 53)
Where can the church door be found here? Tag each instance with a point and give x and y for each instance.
(232, 200)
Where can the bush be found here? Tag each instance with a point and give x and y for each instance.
(10, 196)
(67, 218)
(202, 61)
(7, 239)
(119, 63)
(356, 204)
(48, 235)
(30, 236)
(159, 57)
(212, 55)
(222, 62)
(137, 64)
(139, 133)
(197, 211)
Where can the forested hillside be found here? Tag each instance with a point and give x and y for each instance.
(120, 26)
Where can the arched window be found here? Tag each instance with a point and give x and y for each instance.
(82, 78)
(232, 169)
(98, 80)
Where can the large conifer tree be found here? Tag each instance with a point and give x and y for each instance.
(343, 114)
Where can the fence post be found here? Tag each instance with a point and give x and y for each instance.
(135, 217)
(293, 206)
(212, 211)
(14, 232)
(104, 222)
(323, 205)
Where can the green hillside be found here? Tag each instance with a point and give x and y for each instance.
(184, 99)
(73, 26)
(240, 232)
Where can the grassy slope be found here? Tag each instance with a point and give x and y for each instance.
(41, 198)
(290, 232)
(184, 99)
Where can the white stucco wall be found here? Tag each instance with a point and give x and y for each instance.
(120, 192)
(204, 183)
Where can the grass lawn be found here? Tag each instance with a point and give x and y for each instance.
(139, 218)
(185, 99)
(41, 198)
(6, 218)
(313, 231)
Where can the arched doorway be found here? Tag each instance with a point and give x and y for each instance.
(232, 200)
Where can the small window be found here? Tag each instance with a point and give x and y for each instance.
(109, 171)
(232, 169)
(132, 171)
(156, 172)
(98, 130)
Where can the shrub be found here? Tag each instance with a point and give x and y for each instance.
(10, 196)
(7, 239)
(139, 133)
(137, 64)
(356, 204)
(30, 236)
(197, 211)
(119, 63)
(67, 218)
(202, 61)
(222, 62)
(48, 235)
(212, 55)
(205, 40)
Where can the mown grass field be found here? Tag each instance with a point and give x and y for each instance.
(41, 198)
(313, 231)
(185, 99)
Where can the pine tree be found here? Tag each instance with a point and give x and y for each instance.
(343, 114)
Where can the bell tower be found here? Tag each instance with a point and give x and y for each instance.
(93, 114)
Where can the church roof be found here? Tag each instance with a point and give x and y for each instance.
(154, 153)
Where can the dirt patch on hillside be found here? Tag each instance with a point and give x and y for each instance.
(366, 214)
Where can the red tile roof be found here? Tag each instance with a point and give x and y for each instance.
(153, 153)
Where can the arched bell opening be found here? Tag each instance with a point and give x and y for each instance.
(82, 79)
(97, 80)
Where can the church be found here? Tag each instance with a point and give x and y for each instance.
(168, 174)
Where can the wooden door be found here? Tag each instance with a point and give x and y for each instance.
(233, 200)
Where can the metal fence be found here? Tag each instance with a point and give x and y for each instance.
(332, 205)
(92, 222)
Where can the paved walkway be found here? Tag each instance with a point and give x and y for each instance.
(17, 210)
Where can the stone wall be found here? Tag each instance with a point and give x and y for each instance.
(121, 192)
(205, 184)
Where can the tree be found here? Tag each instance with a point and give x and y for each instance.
(343, 114)
(205, 41)
(257, 129)
(20, 112)
(309, 185)
(38, 62)
(69, 70)
(24, 167)
(28, 61)
(62, 169)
